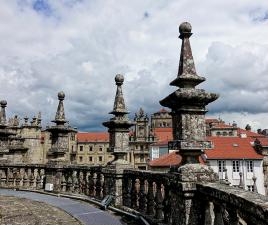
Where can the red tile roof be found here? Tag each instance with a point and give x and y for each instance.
(249, 133)
(168, 160)
(224, 148)
(263, 141)
(210, 120)
(171, 159)
(232, 148)
(93, 137)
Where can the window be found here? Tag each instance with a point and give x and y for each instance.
(107, 149)
(230, 133)
(81, 148)
(100, 158)
(218, 133)
(90, 148)
(224, 133)
(90, 159)
(221, 165)
(141, 147)
(142, 158)
(250, 187)
(100, 149)
(80, 158)
(250, 166)
(236, 166)
(72, 147)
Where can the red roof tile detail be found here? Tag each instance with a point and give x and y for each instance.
(263, 141)
(232, 148)
(93, 137)
(249, 133)
(209, 120)
(168, 160)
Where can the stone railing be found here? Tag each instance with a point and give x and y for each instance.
(162, 199)
(85, 180)
(159, 197)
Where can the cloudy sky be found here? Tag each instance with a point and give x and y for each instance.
(78, 46)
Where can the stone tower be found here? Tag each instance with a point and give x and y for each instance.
(60, 151)
(188, 107)
(142, 128)
(12, 149)
(118, 126)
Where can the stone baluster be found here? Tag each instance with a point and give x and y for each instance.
(206, 213)
(134, 194)
(17, 178)
(150, 198)
(98, 186)
(10, 177)
(106, 186)
(69, 183)
(127, 191)
(75, 182)
(233, 218)
(84, 182)
(32, 178)
(166, 203)
(38, 179)
(26, 181)
(4, 178)
(91, 184)
(63, 183)
(218, 212)
(142, 196)
(159, 202)
(78, 176)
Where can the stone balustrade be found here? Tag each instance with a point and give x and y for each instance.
(160, 197)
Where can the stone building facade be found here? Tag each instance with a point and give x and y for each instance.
(160, 119)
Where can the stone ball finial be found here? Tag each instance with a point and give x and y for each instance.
(119, 79)
(185, 27)
(61, 95)
(3, 103)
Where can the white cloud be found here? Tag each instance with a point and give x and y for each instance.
(79, 46)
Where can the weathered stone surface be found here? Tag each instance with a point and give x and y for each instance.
(22, 211)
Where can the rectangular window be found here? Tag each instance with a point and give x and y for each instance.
(221, 166)
(90, 148)
(235, 166)
(100, 158)
(81, 148)
(250, 166)
(90, 159)
(250, 187)
(100, 149)
(80, 158)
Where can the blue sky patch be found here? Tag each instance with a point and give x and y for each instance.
(42, 6)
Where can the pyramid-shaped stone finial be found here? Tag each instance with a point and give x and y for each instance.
(60, 115)
(3, 118)
(119, 102)
(187, 76)
(188, 105)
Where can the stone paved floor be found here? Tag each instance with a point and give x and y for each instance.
(84, 212)
(14, 210)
